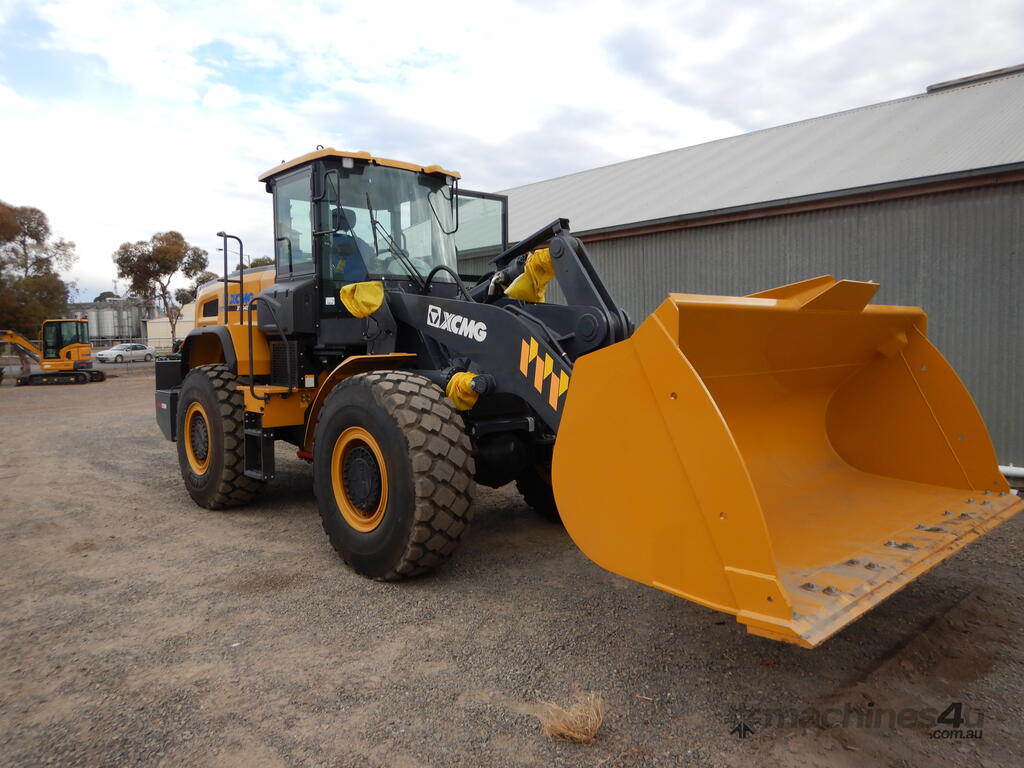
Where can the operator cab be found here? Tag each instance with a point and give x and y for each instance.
(60, 335)
(349, 217)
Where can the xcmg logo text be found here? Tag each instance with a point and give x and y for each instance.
(457, 324)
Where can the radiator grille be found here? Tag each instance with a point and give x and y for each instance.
(284, 363)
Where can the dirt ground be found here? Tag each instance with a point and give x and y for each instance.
(139, 629)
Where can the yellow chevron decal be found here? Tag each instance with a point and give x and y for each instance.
(544, 370)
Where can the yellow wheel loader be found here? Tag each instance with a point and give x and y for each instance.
(66, 355)
(791, 458)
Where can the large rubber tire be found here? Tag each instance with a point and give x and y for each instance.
(425, 487)
(220, 406)
(538, 494)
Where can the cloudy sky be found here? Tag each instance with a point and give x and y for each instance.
(124, 118)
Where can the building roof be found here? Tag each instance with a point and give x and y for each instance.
(950, 131)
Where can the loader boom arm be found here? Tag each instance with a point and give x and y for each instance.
(575, 273)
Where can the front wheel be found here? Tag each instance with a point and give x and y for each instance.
(119, 359)
(211, 413)
(393, 474)
(535, 487)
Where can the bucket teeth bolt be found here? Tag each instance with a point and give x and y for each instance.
(899, 545)
(873, 566)
(852, 562)
(809, 586)
(970, 501)
(947, 513)
(964, 516)
(831, 591)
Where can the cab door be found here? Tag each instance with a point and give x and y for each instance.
(293, 225)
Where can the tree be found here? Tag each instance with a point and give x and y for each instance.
(150, 266)
(31, 289)
(184, 295)
(106, 295)
(9, 227)
(259, 261)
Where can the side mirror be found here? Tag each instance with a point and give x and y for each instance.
(448, 193)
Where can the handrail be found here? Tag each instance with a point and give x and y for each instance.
(287, 357)
(241, 271)
(450, 271)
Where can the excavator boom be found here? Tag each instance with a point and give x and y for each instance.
(19, 341)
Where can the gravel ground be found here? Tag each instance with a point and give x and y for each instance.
(139, 629)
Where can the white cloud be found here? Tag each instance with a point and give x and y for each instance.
(11, 102)
(505, 92)
(220, 96)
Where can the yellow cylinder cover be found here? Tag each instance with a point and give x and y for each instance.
(791, 457)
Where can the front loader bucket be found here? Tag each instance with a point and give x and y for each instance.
(792, 457)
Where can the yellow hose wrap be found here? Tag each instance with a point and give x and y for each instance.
(459, 391)
(530, 285)
(362, 299)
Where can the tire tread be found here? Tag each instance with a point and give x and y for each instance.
(442, 466)
(235, 487)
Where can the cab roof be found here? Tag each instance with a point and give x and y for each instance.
(365, 156)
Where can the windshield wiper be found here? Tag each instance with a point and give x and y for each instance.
(394, 247)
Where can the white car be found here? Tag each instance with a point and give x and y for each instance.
(125, 352)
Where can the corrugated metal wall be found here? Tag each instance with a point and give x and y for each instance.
(956, 254)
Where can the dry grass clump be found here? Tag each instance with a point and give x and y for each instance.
(579, 723)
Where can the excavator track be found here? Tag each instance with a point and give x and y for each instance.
(58, 377)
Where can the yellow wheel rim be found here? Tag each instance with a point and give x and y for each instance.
(197, 438)
(359, 477)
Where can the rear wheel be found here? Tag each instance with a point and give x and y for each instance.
(148, 358)
(393, 474)
(210, 440)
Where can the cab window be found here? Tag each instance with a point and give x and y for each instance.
(482, 233)
(52, 341)
(293, 224)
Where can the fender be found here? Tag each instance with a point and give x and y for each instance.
(348, 367)
(226, 344)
